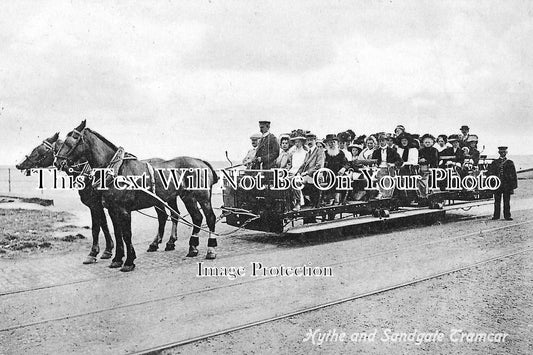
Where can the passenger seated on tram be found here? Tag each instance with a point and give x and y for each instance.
(369, 150)
(399, 130)
(296, 160)
(283, 157)
(358, 181)
(343, 141)
(442, 143)
(248, 159)
(454, 151)
(297, 155)
(428, 157)
(391, 141)
(408, 153)
(336, 161)
(352, 135)
(296, 133)
(473, 153)
(355, 149)
(320, 144)
(314, 160)
(387, 160)
(416, 140)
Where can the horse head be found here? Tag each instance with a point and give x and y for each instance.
(73, 148)
(83, 146)
(42, 156)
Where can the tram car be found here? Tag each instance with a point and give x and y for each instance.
(251, 205)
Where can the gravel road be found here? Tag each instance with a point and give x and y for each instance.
(92, 309)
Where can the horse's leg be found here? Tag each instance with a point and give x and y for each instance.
(125, 223)
(211, 221)
(171, 244)
(162, 220)
(196, 215)
(95, 225)
(119, 251)
(109, 245)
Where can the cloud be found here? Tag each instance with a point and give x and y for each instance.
(164, 79)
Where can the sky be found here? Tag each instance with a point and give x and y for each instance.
(171, 78)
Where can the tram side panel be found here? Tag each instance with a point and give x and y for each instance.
(264, 205)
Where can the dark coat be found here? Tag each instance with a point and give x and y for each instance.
(506, 171)
(474, 154)
(431, 155)
(459, 154)
(268, 151)
(392, 156)
(336, 162)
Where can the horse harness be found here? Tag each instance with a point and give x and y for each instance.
(116, 164)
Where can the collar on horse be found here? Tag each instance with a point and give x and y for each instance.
(118, 159)
(115, 164)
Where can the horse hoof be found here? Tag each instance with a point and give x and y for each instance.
(106, 255)
(89, 260)
(211, 255)
(115, 264)
(152, 248)
(170, 247)
(127, 268)
(192, 252)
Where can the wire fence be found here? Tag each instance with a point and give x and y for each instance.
(17, 183)
(8, 180)
(13, 181)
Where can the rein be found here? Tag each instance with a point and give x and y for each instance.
(78, 136)
(115, 163)
(38, 162)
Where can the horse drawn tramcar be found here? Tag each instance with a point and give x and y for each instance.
(269, 209)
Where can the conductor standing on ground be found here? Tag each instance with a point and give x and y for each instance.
(505, 170)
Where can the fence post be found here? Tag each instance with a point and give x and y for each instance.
(9, 178)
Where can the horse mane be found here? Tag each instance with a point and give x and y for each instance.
(103, 139)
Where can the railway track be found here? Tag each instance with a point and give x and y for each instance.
(157, 349)
(404, 247)
(120, 275)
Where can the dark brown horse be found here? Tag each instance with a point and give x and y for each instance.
(84, 144)
(43, 156)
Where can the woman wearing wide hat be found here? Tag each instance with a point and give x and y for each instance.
(455, 156)
(336, 162)
(356, 149)
(473, 153)
(296, 160)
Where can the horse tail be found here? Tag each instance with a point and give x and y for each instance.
(215, 176)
